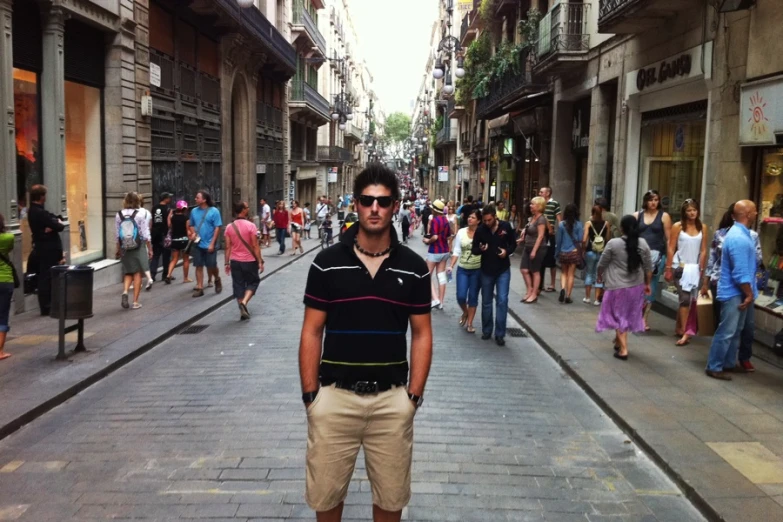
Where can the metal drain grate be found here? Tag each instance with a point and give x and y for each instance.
(195, 329)
(516, 332)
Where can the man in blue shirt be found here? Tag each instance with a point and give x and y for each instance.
(205, 223)
(736, 292)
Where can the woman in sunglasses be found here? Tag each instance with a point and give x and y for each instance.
(687, 259)
(654, 227)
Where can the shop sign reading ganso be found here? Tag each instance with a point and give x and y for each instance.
(680, 66)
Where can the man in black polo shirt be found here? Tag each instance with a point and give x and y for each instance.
(363, 292)
(494, 241)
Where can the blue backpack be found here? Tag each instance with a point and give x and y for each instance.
(129, 231)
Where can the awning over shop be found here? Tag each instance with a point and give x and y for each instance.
(498, 122)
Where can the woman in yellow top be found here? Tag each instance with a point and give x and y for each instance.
(6, 283)
(469, 273)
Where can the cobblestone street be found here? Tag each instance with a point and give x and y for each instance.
(211, 426)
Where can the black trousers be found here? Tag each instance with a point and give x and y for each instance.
(159, 250)
(46, 260)
(406, 226)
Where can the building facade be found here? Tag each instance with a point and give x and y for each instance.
(612, 98)
(149, 96)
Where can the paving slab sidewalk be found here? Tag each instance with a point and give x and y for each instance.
(32, 381)
(723, 441)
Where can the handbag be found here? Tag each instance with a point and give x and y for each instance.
(167, 240)
(8, 262)
(581, 264)
(196, 240)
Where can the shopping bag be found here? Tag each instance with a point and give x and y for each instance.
(705, 317)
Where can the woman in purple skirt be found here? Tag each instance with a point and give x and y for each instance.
(625, 268)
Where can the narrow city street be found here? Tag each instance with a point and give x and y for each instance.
(211, 426)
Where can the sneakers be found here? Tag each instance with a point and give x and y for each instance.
(562, 296)
(149, 285)
(596, 303)
(436, 304)
(125, 301)
(218, 285)
(500, 341)
(748, 366)
(586, 300)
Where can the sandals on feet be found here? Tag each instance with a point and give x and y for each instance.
(136, 306)
(463, 319)
(470, 330)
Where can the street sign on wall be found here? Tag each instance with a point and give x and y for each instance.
(332, 175)
(443, 173)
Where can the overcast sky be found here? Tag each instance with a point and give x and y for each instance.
(394, 39)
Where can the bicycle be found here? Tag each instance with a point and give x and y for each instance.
(326, 237)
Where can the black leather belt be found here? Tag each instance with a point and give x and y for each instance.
(364, 387)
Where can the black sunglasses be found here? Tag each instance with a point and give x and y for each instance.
(383, 201)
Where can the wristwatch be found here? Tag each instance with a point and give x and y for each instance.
(309, 396)
(417, 399)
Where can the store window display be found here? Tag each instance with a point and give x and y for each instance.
(672, 162)
(771, 229)
(83, 171)
(27, 115)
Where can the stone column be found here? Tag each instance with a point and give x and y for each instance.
(8, 190)
(600, 114)
(53, 115)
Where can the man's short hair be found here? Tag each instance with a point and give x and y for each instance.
(489, 210)
(239, 207)
(37, 192)
(377, 174)
(548, 190)
(470, 199)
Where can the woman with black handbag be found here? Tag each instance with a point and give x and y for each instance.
(8, 282)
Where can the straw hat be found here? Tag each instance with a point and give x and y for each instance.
(438, 205)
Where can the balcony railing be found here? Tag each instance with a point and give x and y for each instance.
(445, 135)
(333, 154)
(564, 29)
(302, 17)
(505, 88)
(301, 91)
(302, 155)
(260, 27)
(637, 16)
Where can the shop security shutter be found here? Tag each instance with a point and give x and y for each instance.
(686, 112)
(84, 54)
(27, 40)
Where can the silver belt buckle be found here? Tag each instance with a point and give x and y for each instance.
(365, 387)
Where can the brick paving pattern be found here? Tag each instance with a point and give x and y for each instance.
(211, 426)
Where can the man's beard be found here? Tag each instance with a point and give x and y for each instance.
(377, 232)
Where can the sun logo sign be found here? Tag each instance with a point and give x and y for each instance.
(757, 118)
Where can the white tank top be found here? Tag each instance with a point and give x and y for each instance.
(688, 249)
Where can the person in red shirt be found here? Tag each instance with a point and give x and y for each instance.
(243, 258)
(282, 219)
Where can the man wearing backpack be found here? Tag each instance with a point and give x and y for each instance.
(160, 228)
(134, 248)
(205, 223)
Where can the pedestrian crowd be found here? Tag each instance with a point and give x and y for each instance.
(622, 262)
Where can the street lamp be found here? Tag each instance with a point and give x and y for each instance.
(448, 45)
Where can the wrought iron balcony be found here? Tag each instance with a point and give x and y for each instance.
(563, 39)
(260, 27)
(304, 25)
(505, 90)
(445, 136)
(333, 154)
(637, 16)
(306, 98)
